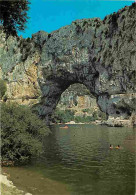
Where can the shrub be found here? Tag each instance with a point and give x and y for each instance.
(102, 115)
(21, 133)
(5, 98)
(86, 110)
(3, 88)
(84, 119)
(63, 116)
(95, 115)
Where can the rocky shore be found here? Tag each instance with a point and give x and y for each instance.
(119, 122)
(7, 187)
(112, 122)
(23, 181)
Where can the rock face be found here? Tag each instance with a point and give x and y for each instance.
(77, 97)
(21, 76)
(100, 54)
(79, 100)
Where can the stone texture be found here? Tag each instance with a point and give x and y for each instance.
(78, 99)
(21, 76)
(100, 54)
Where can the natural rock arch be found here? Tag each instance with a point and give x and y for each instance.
(99, 54)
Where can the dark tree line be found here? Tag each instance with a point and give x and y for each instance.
(13, 15)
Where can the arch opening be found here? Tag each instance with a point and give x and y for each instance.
(77, 105)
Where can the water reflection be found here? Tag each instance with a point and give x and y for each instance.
(80, 156)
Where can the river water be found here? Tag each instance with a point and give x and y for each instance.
(78, 161)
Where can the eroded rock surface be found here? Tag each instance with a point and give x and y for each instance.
(101, 54)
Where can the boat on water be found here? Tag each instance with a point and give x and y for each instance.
(65, 127)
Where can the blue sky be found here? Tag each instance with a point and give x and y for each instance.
(50, 15)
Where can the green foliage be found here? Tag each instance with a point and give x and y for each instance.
(84, 119)
(13, 15)
(95, 115)
(63, 116)
(5, 98)
(102, 115)
(21, 133)
(3, 88)
(87, 119)
(86, 110)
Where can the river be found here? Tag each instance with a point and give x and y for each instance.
(78, 161)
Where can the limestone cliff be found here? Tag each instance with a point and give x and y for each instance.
(100, 54)
(76, 95)
(78, 99)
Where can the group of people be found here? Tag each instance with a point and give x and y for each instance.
(117, 147)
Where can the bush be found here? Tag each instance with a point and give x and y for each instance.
(84, 119)
(86, 110)
(5, 98)
(3, 88)
(95, 115)
(63, 116)
(21, 133)
(102, 115)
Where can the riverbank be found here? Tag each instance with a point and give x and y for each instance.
(7, 187)
(76, 161)
(80, 123)
(22, 181)
(111, 122)
(119, 122)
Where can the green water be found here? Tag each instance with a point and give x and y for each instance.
(79, 157)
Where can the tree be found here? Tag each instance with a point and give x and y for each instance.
(22, 133)
(13, 15)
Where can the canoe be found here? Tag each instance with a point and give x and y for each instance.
(65, 127)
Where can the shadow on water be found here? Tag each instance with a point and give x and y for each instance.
(80, 158)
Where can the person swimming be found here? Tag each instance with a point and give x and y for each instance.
(117, 147)
(111, 146)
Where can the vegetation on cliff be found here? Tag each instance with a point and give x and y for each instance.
(96, 115)
(3, 88)
(64, 116)
(21, 133)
